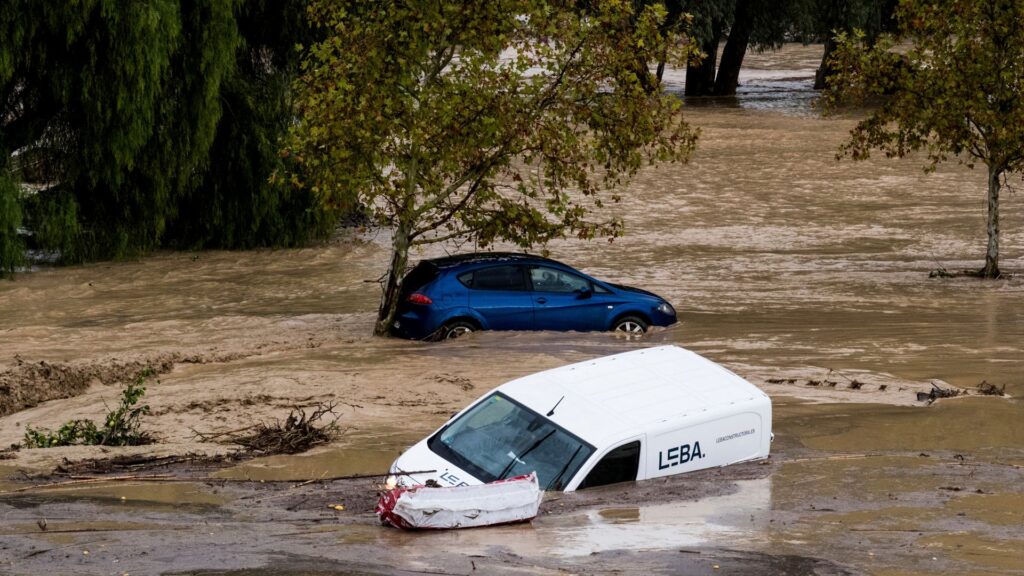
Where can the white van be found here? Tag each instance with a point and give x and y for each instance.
(632, 416)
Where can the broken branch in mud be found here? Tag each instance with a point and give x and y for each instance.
(986, 389)
(299, 432)
(938, 392)
(132, 463)
(210, 436)
(854, 384)
(79, 480)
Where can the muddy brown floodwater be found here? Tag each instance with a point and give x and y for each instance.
(800, 273)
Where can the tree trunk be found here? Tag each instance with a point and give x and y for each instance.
(672, 18)
(393, 286)
(825, 71)
(991, 269)
(735, 49)
(700, 78)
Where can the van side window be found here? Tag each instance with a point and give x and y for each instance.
(619, 465)
(494, 278)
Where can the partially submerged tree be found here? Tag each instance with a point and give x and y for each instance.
(483, 121)
(822, 20)
(958, 91)
(756, 24)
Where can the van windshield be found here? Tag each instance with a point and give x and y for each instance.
(500, 438)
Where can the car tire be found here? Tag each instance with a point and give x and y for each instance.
(630, 326)
(453, 330)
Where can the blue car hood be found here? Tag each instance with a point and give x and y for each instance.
(635, 290)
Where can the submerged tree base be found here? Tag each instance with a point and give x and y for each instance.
(969, 273)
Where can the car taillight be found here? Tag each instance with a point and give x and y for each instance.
(417, 298)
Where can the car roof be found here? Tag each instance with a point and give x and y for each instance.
(479, 257)
(616, 397)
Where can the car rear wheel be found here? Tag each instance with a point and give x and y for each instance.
(630, 326)
(455, 329)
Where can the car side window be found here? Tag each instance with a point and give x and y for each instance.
(619, 465)
(550, 280)
(494, 278)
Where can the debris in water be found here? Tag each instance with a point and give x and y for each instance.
(857, 385)
(814, 382)
(297, 433)
(938, 392)
(986, 389)
(462, 382)
(505, 501)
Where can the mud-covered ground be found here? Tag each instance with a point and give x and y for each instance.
(806, 276)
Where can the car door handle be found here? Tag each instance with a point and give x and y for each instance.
(542, 300)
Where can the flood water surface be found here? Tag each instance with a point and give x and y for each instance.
(784, 264)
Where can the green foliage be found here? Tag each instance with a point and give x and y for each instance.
(235, 203)
(954, 89)
(72, 433)
(152, 123)
(53, 219)
(121, 427)
(820, 20)
(12, 248)
(483, 121)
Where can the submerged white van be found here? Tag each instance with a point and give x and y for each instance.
(632, 416)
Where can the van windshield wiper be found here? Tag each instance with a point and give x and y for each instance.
(512, 462)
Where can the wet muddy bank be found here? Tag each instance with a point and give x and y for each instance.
(839, 495)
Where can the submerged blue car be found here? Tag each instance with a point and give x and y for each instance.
(447, 297)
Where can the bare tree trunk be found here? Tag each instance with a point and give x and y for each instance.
(735, 49)
(991, 269)
(393, 286)
(700, 78)
(822, 74)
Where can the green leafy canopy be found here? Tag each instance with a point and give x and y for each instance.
(952, 81)
(477, 118)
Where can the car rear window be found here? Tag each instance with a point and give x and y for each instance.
(420, 276)
(494, 278)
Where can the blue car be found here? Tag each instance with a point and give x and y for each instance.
(447, 297)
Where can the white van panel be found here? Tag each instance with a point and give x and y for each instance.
(717, 442)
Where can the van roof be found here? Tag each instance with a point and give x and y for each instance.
(616, 397)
